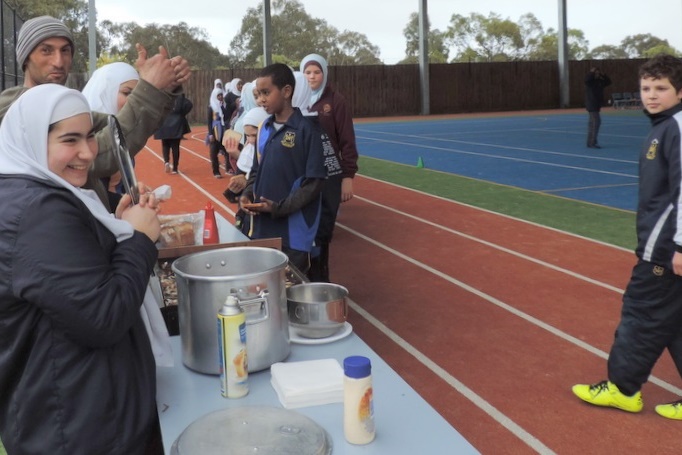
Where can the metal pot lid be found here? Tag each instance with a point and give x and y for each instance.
(250, 430)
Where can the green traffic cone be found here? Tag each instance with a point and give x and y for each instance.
(420, 163)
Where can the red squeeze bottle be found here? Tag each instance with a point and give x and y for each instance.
(210, 226)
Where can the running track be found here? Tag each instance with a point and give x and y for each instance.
(491, 319)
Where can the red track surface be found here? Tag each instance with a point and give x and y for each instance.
(490, 319)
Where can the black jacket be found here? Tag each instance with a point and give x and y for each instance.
(594, 90)
(659, 231)
(77, 374)
(176, 125)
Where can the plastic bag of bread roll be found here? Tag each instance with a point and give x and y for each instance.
(180, 230)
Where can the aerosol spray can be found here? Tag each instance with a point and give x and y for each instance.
(234, 373)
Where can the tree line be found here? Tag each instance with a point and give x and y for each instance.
(295, 33)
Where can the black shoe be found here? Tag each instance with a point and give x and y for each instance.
(594, 146)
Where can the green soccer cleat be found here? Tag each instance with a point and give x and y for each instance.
(670, 410)
(606, 393)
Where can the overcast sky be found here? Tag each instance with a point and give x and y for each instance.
(382, 21)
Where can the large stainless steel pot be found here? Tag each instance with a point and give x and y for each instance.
(256, 276)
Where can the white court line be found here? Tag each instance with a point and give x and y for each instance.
(506, 147)
(509, 158)
(447, 377)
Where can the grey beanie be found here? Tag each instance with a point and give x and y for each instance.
(35, 31)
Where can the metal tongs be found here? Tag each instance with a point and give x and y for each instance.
(125, 164)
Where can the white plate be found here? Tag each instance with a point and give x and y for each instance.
(343, 333)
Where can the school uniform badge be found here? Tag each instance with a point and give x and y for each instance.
(289, 139)
(653, 147)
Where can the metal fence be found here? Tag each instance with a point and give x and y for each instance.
(11, 69)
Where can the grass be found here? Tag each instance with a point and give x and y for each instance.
(609, 225)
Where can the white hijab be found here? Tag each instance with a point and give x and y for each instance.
(248, 102)
(101, 91)
(254, 117)
(216, 104)
(23, 150)
(302, 94)
(322, 63)
(233, 86)
(23, 144)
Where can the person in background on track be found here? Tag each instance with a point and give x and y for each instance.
(45, 51)
(651, 317)
(174, 127)
(217, 111)
(77, 370)
(288, 170)
(334, 116)
(218, 83)
(232, 100)
(595, 81)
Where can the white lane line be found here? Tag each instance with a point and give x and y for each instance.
(481, 403)
(216, 202)
(502, 215)
(499, 303)
(497, 247)
(447, 377)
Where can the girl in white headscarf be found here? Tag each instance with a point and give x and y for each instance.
(252, 121)
(218, 83)
(334, 116)
(247, 102)
(302, 94)
(216, 127)
(236, 87)
(109, 87)
(232, 99)
(107, 91)
(217, 105)
(73, 278)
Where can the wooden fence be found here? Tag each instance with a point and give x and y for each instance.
(393, 90)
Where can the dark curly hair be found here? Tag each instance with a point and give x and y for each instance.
(663, 66)
(281, 75)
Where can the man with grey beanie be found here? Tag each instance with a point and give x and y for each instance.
(40, 31)
(45, 49)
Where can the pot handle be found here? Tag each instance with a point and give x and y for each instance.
(261, 302)
(300, 313)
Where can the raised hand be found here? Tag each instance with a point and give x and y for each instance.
(161, 71)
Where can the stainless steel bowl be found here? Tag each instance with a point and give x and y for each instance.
(317, 310)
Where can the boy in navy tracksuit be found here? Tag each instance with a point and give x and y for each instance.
(651, 317)
(288, 171)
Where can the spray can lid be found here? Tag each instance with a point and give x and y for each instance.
(231, 306)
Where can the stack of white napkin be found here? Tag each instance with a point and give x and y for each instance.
(308, 383)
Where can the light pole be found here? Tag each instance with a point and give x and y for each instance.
(92, 36)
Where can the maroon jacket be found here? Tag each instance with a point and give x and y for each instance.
(335, 118)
